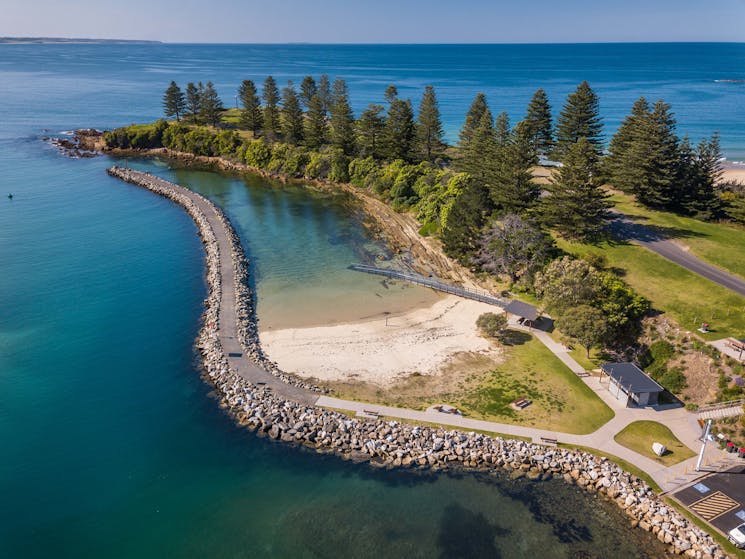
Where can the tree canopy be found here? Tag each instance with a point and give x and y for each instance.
(430, 142)
(174, 101)
(251, 117)
(538, 123)
(270, 95)
(291, 115)
(211, 106)
(575, 204)
(514, 247)
(342, 119)
(579, 118)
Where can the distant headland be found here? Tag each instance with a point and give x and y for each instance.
(63, 40)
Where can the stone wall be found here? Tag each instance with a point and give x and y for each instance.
(392, 444)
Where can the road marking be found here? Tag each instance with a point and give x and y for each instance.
(714, 506)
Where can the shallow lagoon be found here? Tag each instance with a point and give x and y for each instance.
(111, 445)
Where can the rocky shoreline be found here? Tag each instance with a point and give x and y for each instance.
(400, 230)
(391, 444)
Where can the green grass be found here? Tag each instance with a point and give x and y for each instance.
(579, 353)
(639, 436)
(561, 401)
(720, 244)
(231, 116)
(688, 298)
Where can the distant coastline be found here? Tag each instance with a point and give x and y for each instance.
(64, 40)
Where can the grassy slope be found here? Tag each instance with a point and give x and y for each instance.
(685, 296)
(639, 436)
(561, 401)
(719, 244)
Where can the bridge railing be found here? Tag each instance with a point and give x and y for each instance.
(721, 405)
(466, 292)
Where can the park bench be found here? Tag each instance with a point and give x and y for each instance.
(549, 441)
(521, 403)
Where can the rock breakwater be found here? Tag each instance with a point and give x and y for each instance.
(391, 444)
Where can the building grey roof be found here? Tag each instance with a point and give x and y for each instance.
(631, 378)
(523, 310)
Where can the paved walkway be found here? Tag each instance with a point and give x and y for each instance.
(227, 330)
(682, 423)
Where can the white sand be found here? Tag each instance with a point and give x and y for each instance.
(423, 340)
(734, 173)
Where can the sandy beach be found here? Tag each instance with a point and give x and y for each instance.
(732, 172)
(382, 350)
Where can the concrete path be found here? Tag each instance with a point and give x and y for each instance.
(227, 328)
(668, 478)
(682, 423)
(625, 228)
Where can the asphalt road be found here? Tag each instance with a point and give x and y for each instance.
(719, 499)
(625, 229)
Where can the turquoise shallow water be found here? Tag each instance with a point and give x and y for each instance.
(110, 445)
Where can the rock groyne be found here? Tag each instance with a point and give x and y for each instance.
(391, 444)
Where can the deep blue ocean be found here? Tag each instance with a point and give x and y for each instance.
(110, 444)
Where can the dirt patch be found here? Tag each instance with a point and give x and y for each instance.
(701, 374)
(454, 381)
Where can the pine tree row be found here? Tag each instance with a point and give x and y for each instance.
(646, 158)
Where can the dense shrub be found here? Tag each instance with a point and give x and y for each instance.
(491, 324)
(339, 170)
(227, 143)
(361, 169)
(258, 154)
(296, 162)
(318, 167)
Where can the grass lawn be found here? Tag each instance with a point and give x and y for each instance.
(484, 390)
(720, 244)
(579, 353)
(561, 401)
(639, 436)
(688, 298)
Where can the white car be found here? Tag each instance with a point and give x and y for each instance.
(737, 536)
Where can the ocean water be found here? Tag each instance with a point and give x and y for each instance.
(693, 77)
(110, 444)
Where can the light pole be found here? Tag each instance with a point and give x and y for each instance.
(703, 446)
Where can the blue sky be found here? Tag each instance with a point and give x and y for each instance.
(390, 21)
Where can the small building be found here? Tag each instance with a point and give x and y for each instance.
(628, 382)
(527, 313)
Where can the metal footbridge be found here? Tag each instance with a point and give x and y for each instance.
(475, 294)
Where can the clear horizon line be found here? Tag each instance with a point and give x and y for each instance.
(370, 43)
(456, 43)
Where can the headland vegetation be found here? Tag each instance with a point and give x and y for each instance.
(478, 212)
(282, 408)
(525, 208)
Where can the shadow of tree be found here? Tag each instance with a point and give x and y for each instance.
(625, 229)
(512, 337)
(464, 534)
